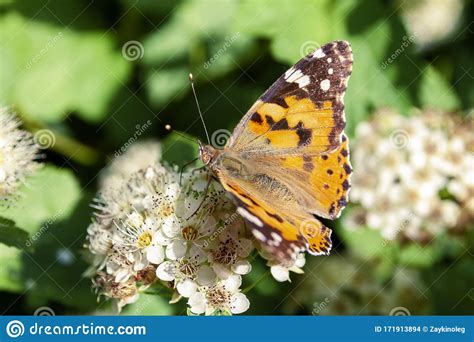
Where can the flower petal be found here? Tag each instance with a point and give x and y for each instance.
(207, 226)
(239, 303)
(246, 246)
(242, 267)
(197, 254)
(280, 273)
(197, 303)
(166, 271)
(206, 275)
(233, 283)
(160, 238)
(222, 271)
(171, 226)
(176, 250)
(122, 275)
(155, 254)
(186, 288)
(300, 260)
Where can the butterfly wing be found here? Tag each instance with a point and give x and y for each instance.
(295, 155)
(282, 232)
(320, 182)
(303, 110)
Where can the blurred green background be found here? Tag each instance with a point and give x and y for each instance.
(92, 72)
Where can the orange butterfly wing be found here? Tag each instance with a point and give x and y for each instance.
(295, 156)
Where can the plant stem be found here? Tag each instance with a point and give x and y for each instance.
(63, 144)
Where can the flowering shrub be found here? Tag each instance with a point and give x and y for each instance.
(155, 226)
(18, 154)
(413, 175)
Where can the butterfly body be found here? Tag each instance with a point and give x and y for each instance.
(287, 161)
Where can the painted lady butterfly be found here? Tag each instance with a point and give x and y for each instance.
(288, 158)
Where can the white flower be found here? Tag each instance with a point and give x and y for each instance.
(18, 153)
(99, 238)
(185, 270)
(431, 22)
(281, 273)
(149, 228)
(221, 298)
(402, 165)
(231, 252)
(122, 293)
(137, 157)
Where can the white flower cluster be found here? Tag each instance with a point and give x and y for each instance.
(151, 228)
(432, 22)
(413, 175)
(18, 154)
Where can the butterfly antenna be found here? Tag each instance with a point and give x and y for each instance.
(199, 109)
(169, 128)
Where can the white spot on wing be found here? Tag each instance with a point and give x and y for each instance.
(248, 216)
(258, 235)
(330, 71)
(319, 53)
(276, 237)
(288, 73)
(303, 81)
(325, 84)
(294, 76)
(329, 60)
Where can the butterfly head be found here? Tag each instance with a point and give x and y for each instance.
(207, 153)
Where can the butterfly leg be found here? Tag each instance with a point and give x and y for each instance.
(206, 190)
(183, 167)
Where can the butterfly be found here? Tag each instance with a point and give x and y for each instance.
(287, 161)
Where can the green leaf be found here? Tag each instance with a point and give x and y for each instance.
(10, 272)
(219, 312)
(49, 71)
(294, 29)
(318, 23)
(11, 235)
(167, 85)
(367, 243)
(211, 49)
(54, 271)
(416, 255)
(189, 21)
(451, 291)
(50, 196)
(436, 92)
(178, 150)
